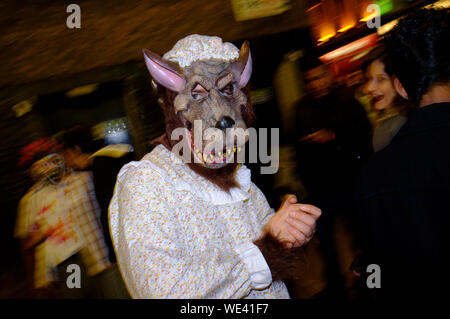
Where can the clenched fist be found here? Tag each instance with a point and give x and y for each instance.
(293, 224)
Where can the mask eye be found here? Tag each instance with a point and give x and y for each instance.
(227, 90)
(199, 92)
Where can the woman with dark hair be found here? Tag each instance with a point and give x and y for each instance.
(403, 190)
(391, 108)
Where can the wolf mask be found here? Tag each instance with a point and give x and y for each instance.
(202, 83)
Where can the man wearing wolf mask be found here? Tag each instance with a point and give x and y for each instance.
(190, 223)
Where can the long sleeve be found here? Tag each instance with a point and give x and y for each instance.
(160, 259)
(265, 212)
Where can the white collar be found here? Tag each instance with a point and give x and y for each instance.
(185, 179)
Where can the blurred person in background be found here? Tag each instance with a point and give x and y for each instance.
(391, 109)
(102, 164)
(403, 190)
(331, 138)
(107, 163)
(83, 153)
(58, 224)
(79, 146)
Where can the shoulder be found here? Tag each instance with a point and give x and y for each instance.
(386, 170)
(258, 199)
(140, 185)
(255, 192)
(394, 123)
(81, 175)
(150, 174)
(28, 195)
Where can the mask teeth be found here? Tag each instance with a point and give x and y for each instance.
(219, 157)
(205, 157)
(238, 149)
(228, 152)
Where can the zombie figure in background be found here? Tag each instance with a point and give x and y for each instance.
(190, 223)
(57, 219)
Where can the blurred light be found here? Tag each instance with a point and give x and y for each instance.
(349, 48)
(247, 10)
(385, 6)
(101, 130)
(295, 55)
(82, 90)
(440, 3)
(24, 107)
(261, 96)
(326, 37)
(118, 137)
(114, 150)
(369, 17)
(371, 9)
(359, 55)
(386, 27)
(313, 7)
(343, 29)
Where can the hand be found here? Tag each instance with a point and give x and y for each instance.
(321, 136)
(293, 224)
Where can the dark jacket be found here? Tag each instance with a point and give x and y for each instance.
(403, 195)
(105, 171)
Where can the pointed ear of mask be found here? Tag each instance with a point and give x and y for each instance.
(243, 65)
(166, 73)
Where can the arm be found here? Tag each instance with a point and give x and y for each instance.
(284, 236)
(27, 228)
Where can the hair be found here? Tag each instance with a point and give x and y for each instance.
(38, 150)
(79, 135)
(379, 53)
(418, 50)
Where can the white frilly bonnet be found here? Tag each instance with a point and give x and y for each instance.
(201, 47)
